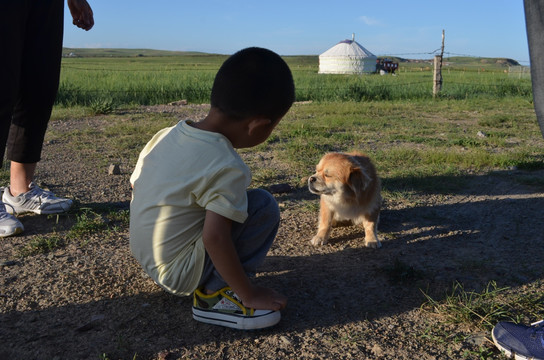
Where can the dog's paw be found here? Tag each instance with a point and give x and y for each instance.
(374, 244)
(318, 240)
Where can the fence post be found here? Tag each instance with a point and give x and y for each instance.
(437, 75)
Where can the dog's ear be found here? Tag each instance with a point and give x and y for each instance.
(358, 180)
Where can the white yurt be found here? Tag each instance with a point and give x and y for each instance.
(347, 57)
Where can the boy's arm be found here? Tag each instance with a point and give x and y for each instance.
(219, 246)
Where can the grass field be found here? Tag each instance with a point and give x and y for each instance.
(393, 118)
(146, 80)
(439, 139)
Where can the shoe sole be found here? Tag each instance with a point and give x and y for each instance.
(16, 232)
(235, 321)
(14, 211)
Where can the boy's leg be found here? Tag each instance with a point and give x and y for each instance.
(252, 239)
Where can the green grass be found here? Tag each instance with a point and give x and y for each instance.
(122, 78)
(42, 245)
(434, 138)
(88, 222)
(418, 146)
(480, 309)
(413, 143)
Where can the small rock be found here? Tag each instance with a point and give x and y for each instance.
(285, 340)
(377, 350)
(114, 169)
(481, 134)
(178, 103)
(478, 339)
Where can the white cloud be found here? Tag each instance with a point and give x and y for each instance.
(369, 21)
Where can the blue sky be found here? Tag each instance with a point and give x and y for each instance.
(412, 29)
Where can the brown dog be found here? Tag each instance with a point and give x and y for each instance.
(350, 191)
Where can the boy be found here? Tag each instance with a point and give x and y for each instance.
(194, 227)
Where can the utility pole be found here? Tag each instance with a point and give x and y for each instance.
(437, 73)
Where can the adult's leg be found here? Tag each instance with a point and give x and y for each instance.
(12, 30)
(21, 175)
(252, 239)
(39, 79)
(13, 21)
(534, 18)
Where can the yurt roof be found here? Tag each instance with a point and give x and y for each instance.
(349, 48)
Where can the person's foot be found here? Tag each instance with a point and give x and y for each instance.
(35, 200)
(225, 308)
(9, 225)
(520, 341)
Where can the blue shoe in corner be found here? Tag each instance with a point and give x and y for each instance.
(520, 342)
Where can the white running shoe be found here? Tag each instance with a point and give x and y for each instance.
(9, 225)
(35, 200)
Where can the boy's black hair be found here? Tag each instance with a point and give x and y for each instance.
(253, 82)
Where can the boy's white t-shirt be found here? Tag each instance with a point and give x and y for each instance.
(182, 172)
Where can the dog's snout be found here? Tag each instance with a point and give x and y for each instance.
(312, 179)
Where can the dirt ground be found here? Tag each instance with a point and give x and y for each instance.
(90, 299)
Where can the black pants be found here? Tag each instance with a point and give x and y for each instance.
(30, 55)
(534, 18)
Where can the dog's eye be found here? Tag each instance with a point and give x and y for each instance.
(328, 176)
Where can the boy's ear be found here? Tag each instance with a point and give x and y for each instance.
(256, 124)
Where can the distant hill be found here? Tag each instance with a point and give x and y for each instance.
(482, 61)
(455, 61)
(98, 52)
(460, 60)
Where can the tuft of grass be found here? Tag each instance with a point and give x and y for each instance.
(119, 218)
(469, 307)
(484, 309)
(101, 106)
(88, 222)
(42, 245)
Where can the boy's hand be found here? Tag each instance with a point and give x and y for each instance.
(218, 243)
(261, 298)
